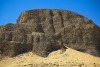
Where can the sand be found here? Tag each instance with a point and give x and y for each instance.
(59, 58)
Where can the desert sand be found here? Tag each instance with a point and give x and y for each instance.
(59, 58)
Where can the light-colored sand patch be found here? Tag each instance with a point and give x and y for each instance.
(69, 58)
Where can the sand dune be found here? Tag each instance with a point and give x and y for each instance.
(68, 58)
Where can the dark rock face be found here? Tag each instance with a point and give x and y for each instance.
(43, 31)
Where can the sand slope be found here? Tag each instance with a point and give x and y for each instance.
(68, 58)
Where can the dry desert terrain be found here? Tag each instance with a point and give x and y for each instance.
(59, 58)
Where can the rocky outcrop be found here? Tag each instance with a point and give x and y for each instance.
(43, 31)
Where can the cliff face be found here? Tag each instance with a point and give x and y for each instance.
(43, 31)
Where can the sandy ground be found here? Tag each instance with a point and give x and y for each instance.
(68, 58)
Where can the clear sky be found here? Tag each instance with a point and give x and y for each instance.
(11, 9)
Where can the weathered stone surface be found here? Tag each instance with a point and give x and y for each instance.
(8, 36)
(13, 48)
(43, 44)
(44, 30)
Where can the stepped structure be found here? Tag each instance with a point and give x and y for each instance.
(43, 31)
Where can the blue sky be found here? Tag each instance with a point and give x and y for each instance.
(11, 9)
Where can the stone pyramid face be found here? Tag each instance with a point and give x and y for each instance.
(43, 31)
